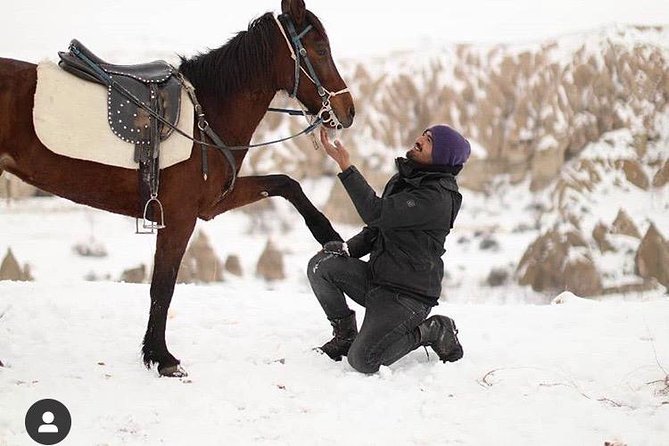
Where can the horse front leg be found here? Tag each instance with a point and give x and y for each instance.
(170, 247)
(254, 188)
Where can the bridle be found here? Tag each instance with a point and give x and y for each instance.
(298, 52)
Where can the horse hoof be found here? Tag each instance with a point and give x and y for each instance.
(173, 371)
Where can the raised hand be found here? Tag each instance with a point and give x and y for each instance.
(335, 151)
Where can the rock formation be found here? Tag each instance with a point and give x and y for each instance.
(270, 264)
(558, 261)
(134, 275)
(623, 224)
(11, 270)
(233, 265)
(652, 258)
(599, 235)
(200, 263)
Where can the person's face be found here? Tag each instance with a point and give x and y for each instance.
(421, 152)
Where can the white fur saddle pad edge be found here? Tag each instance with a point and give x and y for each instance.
(70, 118)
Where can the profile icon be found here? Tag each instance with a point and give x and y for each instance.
(47, 427)
(48, 421)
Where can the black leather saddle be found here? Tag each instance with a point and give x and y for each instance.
(143, 106)
(154, 84)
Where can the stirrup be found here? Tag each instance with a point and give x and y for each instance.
(148, 226)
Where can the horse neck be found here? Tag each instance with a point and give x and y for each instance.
(236, 117)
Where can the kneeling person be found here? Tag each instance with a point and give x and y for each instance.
(404, 235)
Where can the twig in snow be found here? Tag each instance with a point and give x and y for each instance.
(570, 383)
(665, 381)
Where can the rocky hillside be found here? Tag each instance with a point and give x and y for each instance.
(581, 124)
(528, 108)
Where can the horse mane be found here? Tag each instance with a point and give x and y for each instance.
(246, 58)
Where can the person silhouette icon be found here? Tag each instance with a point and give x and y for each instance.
(48, 427)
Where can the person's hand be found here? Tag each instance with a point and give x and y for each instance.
(337, 248)
(335, 151)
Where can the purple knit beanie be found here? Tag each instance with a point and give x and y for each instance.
(449, 148)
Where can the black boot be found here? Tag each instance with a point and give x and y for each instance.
(344, 330)
(440, 333)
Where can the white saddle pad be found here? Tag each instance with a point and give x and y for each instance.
(70, 118)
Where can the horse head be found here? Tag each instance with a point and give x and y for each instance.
(309, 73)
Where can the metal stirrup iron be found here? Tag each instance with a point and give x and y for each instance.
(148, 226)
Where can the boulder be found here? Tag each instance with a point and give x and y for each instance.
(233, 265)
(11, 270)
(134, 275)
(652, 257)
(581, 276)
(200, 263)
(497, 277)
(553, 263)
(623, 224)
(270, 264)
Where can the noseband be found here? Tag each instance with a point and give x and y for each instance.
(297, 52)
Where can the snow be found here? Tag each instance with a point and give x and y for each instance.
(547, 375)
(532, 374)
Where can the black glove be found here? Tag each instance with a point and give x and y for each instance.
(337, 248)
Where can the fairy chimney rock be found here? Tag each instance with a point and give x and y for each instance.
(652, 257)
(599, 234)
(270, 264)
(624, 225)
(11, 270)
(233, 265)
(558, 261)
(662, 176)
(200, 263)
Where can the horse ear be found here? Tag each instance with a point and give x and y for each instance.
(295, 9)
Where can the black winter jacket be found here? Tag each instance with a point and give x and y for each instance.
(406, 227)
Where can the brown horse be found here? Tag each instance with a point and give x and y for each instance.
(235, 85)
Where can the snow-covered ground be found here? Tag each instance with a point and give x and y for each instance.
(577, 373)
(584, 372)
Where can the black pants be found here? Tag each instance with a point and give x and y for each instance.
(389, 330)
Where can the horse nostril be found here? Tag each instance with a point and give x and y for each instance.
(351, 112)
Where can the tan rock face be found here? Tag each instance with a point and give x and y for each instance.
(634, 173)
(200, 263)
(599, 235)
(624, 225)
(134, 275)
(548, 266)
(652, 258)
(339, 207)
(581, 277)
(270, 264)
(11, 270)
(662, 176)
(233, 265)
